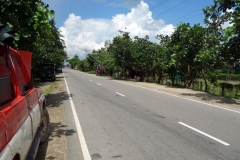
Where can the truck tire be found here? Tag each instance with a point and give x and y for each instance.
(16, 157)
(45, 124)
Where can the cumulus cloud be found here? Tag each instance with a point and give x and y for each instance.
(81, 35)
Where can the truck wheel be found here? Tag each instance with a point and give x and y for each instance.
(45, 124)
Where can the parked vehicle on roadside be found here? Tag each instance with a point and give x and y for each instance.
(48, 72)
(59, 69)
(24, 119)
(100, 70)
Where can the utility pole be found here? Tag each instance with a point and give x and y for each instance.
(86, 50)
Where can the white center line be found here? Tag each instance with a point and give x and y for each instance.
(99, 84)
(120, 94)
(205, 134)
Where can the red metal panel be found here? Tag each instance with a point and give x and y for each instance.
(27, 59)
(9, 115)
(14, 114)
(22, 62)
(21, 112)
(19, 72)
(3, 139)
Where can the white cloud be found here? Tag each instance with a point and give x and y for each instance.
(80, 34)
(227, 24)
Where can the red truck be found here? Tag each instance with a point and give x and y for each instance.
(100, 70)
(24, 120)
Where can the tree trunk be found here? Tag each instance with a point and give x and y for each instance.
(159, 76)
(141, 76)
(111, 72)
(205, 81)
(123, 74)
(191, 80)
(172, 79)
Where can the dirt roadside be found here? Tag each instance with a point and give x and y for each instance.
(55, 147)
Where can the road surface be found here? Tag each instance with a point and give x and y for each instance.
(109, 119)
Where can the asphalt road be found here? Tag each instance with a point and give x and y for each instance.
(116, 120)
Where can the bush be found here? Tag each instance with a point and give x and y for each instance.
(196, 85)
(92, 72)
(225, 86)
(225, 76)
(169, 84)
(237, 94)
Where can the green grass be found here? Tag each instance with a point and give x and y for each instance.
(91, 72)
(47, 87)
(214, 90)
(52, 87)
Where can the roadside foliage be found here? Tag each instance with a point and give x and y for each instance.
(35, 31)
(191, 53)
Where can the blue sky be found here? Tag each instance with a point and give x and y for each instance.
(87, 24)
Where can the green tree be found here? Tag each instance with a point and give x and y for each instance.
(215, 16)
(83, 65)
(35, 30)
(162, 61)
(210, 55)
(188, 42)
(144, 54)
(120, 48)
(74, 61)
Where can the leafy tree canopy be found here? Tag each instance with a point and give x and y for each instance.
(35, 30)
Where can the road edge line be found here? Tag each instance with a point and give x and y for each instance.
(232, 110)
(82, 141)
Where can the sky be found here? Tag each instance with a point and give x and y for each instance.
(87, 24)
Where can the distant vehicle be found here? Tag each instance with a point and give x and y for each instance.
(48, 72)
(59, 70)
(100, 70)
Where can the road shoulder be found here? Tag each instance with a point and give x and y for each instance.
(56, 146)
(191, 94)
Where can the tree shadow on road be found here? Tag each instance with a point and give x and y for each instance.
(56, 99)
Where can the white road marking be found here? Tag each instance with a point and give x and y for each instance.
(120, 94)
(99, 84)
(90, 80)
(182, 97)
(83, 144)
(205, 134)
